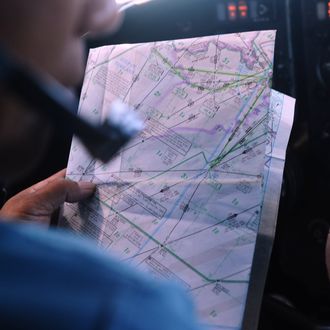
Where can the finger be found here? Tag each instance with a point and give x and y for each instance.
(59, 175)
(60, 191)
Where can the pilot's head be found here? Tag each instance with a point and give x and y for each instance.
(45, 35)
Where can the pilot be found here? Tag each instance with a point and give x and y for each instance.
(49, 279)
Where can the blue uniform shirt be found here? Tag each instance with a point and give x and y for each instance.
(52, 280)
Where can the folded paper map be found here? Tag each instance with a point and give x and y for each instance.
(183, 200)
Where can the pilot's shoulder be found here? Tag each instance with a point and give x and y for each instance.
(50, 266)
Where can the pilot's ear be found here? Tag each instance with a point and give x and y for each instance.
(101, 16)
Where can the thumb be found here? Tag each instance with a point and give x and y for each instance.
(59, 191)
(40, 201)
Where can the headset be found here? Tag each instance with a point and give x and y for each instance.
(49, 98)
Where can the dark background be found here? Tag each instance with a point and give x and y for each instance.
(297, 291)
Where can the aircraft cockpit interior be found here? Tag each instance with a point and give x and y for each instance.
(294, 292)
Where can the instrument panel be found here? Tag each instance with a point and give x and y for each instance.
(243, 10)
